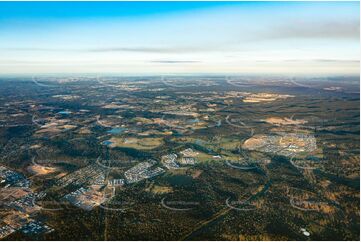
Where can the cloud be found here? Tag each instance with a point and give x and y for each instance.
(133, 49)
(343, 29)
(327, 61)
(145, 49)
(174, 61)
(336, 61)
(149, 49)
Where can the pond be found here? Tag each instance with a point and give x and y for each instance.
(116, 131)
(107, 142)
(64, 112)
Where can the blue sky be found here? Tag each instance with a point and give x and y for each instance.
(292, 38)
(76, 10)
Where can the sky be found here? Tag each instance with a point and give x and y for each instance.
(290, 38)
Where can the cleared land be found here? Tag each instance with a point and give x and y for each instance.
(284, 121)
(136, 143)
(264, 97)
(41, 170)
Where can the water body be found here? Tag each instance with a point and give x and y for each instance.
(64, 112)
(116, 131)
(107, 142)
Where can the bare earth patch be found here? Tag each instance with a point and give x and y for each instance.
(264, 97)
(41, 170)
(136, 143)
(161, 189)
(284, 121)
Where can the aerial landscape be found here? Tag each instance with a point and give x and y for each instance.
(97, 151)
